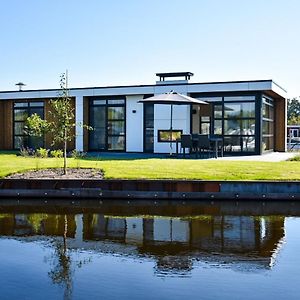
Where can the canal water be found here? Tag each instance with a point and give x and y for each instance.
(149, 250)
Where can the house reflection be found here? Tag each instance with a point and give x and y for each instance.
(174, 243)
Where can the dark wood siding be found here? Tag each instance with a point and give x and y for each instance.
(6, 125)
(49, 137)
(280, 124)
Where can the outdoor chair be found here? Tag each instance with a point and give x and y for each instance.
(220, 145)
(186, 142)
(195, 137)
(204, 146)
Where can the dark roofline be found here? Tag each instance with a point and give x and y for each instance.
(146, 85)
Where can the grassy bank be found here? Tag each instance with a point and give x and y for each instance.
(162, 168)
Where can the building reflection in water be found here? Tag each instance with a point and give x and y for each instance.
(246, 242)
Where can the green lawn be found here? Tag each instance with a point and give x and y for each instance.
(163, 168)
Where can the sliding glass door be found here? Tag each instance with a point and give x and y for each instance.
(107, 117)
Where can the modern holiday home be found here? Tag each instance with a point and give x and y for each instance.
(249, 116)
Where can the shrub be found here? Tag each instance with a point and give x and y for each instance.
(26, 151)
(78, 154)
(42, 152)
(56, 153)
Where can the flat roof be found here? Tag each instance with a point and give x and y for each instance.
(149, 85)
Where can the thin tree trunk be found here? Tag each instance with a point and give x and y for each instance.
(65, 153)
(65, 233)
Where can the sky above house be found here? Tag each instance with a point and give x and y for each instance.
(120, 42)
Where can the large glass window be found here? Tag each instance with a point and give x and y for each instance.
(239, 123)
(22, 110)
(107, 117)
(267, 124)
(232, 117)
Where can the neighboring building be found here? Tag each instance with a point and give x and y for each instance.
(249, 115)
(293, 131)
(293, 137)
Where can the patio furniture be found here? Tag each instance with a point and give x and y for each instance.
(204, 145)
(172, 98)
(186, 142)
(217, 144)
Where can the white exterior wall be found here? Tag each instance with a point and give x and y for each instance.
(162, 118)
(162, 121)
(79, 123)
(134, 124)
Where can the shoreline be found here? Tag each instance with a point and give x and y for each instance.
(149, 189)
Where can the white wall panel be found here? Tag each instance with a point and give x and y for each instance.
(134, 124)
(79, 120)
(162, 118)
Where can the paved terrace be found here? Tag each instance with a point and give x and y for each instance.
(268, 157)
(271, 157)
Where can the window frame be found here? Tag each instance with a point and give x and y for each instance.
(27, 108)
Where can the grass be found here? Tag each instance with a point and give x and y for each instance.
(296, 158)
(155, 168)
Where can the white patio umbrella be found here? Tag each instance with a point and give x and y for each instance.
(172, 98)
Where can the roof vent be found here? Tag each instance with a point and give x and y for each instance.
(20, 85)
(176, 75)
(186, 75)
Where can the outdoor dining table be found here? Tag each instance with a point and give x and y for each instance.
(216, 141)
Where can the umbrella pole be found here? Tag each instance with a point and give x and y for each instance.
(171, 130)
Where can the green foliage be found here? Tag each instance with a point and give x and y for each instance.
(295, 158)
(293, 111)
(36, 220)
(42, 152)
(62, 128)
(56, 153)
(294, 120)
(36, 126)
(63, 114)
(78, 154)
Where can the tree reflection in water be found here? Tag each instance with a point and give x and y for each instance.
(62, 271)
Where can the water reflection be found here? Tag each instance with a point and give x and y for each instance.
(101, 241)
(175, 242)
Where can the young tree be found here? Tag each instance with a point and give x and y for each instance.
(62, 126)
(293, 111)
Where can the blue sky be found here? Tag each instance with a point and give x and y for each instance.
(120, 42)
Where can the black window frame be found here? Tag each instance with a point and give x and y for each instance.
(257, 118)
(268, 101)
(146, 106)
(106, 104)
(28, 108)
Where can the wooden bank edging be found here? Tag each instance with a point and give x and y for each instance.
(149, 189)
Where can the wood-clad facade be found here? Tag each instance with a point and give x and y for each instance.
(6, 125)
(48, 139)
